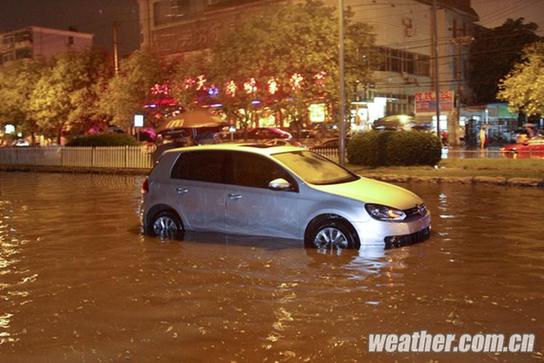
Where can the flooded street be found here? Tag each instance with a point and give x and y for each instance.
(79, 282)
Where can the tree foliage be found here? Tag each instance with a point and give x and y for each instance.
(523, 87)
(292, 40)
(17, 83)
(494, 52)
(127, 92)
(67, 93)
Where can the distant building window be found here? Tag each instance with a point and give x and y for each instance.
(6, 57)
(7, 40)
(169, 11)
(400, 61)
(23, 36)
(23, 53)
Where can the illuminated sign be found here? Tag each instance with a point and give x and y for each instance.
(426, 101)
(317, 112)
(138, 120)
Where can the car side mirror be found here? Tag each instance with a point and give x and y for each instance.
(279, 184)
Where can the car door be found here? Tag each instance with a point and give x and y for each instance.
(254, 209)
(199, 178)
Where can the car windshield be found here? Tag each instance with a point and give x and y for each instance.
(314, 168)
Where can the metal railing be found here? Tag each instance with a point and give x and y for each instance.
(332, 153)
(129, 157)
(328, 152)
(136, 157)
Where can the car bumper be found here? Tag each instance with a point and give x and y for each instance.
(393, 234)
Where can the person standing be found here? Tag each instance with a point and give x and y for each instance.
(483, 137)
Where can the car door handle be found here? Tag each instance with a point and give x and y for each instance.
(233, 196)
(182, 190)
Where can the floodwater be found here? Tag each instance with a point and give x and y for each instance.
(79, 283)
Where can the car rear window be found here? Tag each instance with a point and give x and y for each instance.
(207, 166)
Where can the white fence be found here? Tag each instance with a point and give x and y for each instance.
(136, 157)
(129, 157)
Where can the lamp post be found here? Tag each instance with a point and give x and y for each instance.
(436, 70)
(342, 95)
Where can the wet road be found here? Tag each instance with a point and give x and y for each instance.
(78, 282)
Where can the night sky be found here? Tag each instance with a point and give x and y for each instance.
(495, 12)
(97, 16)
(88, 16)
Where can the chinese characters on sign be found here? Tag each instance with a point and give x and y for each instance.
(426, 101)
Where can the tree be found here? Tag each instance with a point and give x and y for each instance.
(523, 87)
(286, 58)
(127, 92)
(17, 82)
(493, 54)
(66, 95)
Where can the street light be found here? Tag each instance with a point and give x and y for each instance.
(342, 138)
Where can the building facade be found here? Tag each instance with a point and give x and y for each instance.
(35, 42)
(404, 32)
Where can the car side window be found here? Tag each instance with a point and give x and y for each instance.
(256, 171)
(207, 166)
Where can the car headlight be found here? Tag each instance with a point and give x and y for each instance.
(384, 213)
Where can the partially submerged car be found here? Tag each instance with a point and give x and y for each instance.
(280, 191)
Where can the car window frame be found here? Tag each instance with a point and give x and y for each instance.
(179, 159)
(230, 178)
(355, 176)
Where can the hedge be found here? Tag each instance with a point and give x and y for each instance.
(111, 139)
(383, 148)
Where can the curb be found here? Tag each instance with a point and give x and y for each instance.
(486, 180)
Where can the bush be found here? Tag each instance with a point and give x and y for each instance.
(377, 148)
(368, 148)
(103, 140)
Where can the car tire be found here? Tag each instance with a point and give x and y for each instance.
(334, 235)
(165, 224)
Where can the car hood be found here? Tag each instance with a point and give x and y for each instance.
(373, 191)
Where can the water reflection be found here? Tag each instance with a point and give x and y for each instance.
(78, 282)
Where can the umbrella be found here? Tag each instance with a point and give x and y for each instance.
(192, 119)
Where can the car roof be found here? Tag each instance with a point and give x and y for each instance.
(261, 149)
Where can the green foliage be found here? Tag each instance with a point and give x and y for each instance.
(380, 148)
(17, 83)
(111, 139)
(368, 148)
(523, 88)
(280, 41)
(127, 92)
(494, 52)
(66, 95)
(413, 148)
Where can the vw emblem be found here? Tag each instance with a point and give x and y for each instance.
(421, 209)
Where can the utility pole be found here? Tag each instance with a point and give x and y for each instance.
(342, 95)
(115, 51)
(434, 23)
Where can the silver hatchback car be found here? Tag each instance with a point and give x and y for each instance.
(284, 191)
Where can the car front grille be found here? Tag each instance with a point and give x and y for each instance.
(407, 239)
(415, 212)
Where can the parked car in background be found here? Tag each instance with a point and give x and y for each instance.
(531, 146)
(20, 143)
(283, 191)
(263, 133)
(332, 143)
